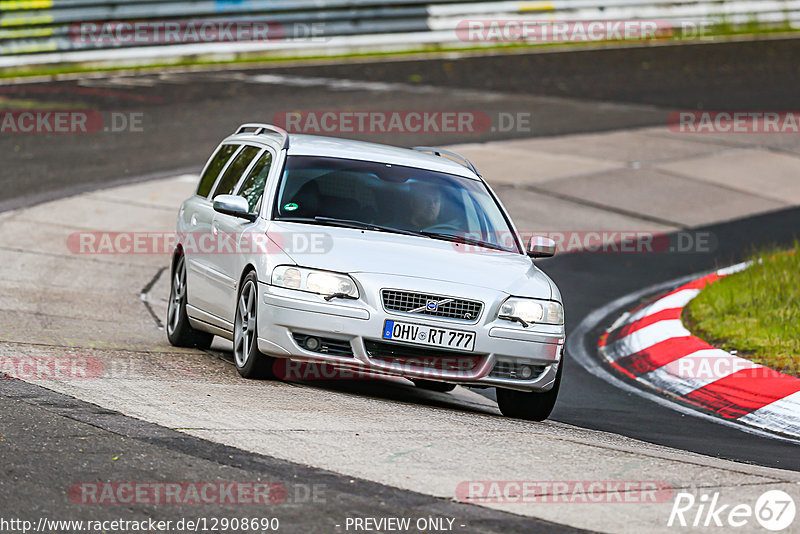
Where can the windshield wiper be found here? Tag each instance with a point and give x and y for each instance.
(514, 319)
(340, 296)
(462, 239)
(367, 226)
(349, 223)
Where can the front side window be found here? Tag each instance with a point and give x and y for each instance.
(253, 186)
(235, 170)
(214, 167)
(322, 190)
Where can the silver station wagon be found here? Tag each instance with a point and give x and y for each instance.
(368, 259)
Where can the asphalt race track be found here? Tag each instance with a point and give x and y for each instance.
(184, 116)
(634, 416)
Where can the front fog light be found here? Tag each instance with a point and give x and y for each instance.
(312, 343)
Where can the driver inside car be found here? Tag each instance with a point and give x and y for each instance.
(426, 206)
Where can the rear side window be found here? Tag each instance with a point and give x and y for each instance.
(235, 170)
(212, 170)
(253, 186)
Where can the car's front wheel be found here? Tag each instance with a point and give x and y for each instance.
(529, 405)
(179, 332)
(249, 361)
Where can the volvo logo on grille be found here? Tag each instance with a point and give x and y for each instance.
(431, 306)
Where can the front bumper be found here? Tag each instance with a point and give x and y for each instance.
(285, 314)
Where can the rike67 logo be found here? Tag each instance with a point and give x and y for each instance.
(774, 510)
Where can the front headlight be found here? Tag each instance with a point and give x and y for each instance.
(314, 281)
(532, 311)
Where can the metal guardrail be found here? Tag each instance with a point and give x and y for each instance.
(30, 27)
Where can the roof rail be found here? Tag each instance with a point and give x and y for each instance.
(458, 157)
(260, 128)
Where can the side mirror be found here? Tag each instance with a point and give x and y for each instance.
(235, 206)
(541, 247)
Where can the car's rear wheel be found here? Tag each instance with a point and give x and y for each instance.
(432, 385)
(248, 359)
(529, 405)
(179, 332)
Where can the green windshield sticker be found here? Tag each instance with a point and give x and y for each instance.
(291, 206)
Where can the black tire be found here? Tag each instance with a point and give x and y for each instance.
(179, 332)
(529, 405)
(250, 362)
(432, 385)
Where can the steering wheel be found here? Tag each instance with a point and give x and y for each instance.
(443, 227)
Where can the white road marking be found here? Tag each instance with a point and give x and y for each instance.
(734, 268)
(780, 416)
(679, 299)
(344, 84)
(695, 371)
(646, 337)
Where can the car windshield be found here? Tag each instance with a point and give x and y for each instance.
(393, 198)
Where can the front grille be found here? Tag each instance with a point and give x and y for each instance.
(330, 346)
(417, 358)
(431, 305)
(513, 370)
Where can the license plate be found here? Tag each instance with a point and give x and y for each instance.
(431, 336)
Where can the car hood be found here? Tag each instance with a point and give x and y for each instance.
(355, 251)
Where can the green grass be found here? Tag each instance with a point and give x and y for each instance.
(755, 312)
(721, 32)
